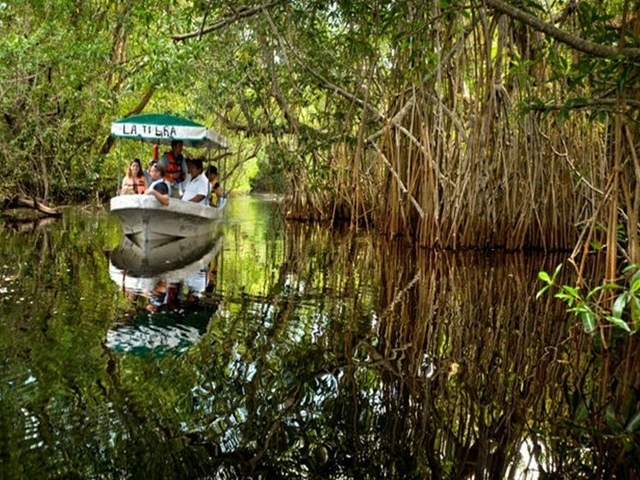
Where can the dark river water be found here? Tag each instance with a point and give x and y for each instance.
(276, 350)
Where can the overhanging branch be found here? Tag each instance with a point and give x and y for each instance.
(580, 44)
(577, 105)
(219, 24)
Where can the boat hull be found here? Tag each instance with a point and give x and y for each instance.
(189, 253)
(144, 219)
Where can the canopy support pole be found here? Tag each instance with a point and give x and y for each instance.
(119, 167)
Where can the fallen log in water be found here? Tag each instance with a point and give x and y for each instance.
(19, 201)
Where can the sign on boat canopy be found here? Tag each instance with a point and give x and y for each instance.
(162, 128)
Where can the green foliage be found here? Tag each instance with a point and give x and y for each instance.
(272, 76)
(624, 313)
(270, 175)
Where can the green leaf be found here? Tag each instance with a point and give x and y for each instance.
(618, 322)
(557, 271)
(595, 246)
(634, 423)
(610, 418)
(567, 298)
(635, 313)
(572, 291)
(588, 320)
(582, 412)
(544, 276)
(607, 286)
(541, 291)
(561, 116)
(619, 305)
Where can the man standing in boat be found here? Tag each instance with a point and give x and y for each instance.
(197, 186)
(175, 167)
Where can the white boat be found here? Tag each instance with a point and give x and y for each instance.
(145, 220)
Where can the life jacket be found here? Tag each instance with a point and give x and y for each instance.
(173, 169)
(136, 184)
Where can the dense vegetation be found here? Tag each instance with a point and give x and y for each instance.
(460, 124)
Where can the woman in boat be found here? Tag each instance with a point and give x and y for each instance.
(134, 182)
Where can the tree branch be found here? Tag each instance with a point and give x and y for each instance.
(255, 129)
(219, 24)
(580, 44)
(602, 102)
(108, 143)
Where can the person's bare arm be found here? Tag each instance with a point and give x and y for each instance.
(197, 198)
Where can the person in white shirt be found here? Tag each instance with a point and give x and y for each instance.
(196, 187)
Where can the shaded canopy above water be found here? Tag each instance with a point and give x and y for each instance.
(164, 128)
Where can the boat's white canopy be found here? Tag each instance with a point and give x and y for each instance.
(163, 128)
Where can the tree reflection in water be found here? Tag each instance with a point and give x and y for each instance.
(327, 356)
(423, 364)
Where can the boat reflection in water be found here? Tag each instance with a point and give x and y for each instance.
(170, 285)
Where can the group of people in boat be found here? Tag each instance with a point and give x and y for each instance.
(174, 176)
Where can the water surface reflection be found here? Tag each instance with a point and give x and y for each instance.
(327, 355)
(171, 286)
